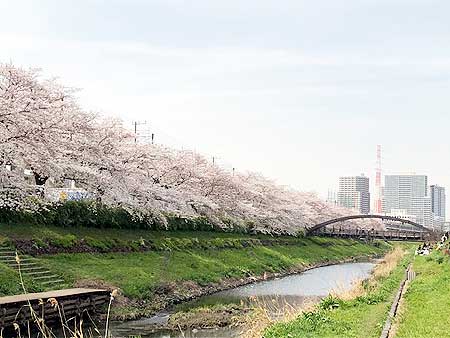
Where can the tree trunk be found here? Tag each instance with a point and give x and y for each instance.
(39, 179)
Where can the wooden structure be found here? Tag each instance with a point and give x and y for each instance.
(71, 302)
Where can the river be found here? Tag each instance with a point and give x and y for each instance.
(293, 290)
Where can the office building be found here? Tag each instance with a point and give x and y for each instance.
(446, 227)
(332, 197)
(408, 194)
(437, 194)
(354, 193)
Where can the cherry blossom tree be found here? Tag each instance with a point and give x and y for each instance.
(44, 130)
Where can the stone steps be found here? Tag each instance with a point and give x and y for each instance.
(37, 273)
(55, 281)
(30, 267)
(45, 277)
(8, 260)
(16, 266)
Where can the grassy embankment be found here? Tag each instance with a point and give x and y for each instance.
(160, 268)
(361, 313)
(9, 282)
(425, 309)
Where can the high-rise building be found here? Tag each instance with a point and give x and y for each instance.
(408, 194)
(437, 194)
(332, 197)
(354, 193)
(446, 227)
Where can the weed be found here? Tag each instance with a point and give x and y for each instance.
(329, 303)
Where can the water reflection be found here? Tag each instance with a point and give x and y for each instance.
(274, 295)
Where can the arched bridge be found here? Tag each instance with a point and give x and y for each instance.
(321, 226)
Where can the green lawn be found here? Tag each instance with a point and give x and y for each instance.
(361, 317)
(10, 282)
(27, 231)
(426, 308)
(158, 265)
(55, 239)
(137, 274)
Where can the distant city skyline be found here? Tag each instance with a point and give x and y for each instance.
(405, 195)
(300, 91)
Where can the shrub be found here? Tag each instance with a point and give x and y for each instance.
(371, 299)
(79, 213)
(102, 245)
(66, 241)
(93, 214)
(314, 319)
(330, 303)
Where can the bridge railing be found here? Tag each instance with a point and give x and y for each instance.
(366, 233)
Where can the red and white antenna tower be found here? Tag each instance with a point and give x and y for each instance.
(378, 203)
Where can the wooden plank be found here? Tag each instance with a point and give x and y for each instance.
(50, 294)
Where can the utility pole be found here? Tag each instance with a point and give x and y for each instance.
(136, 124)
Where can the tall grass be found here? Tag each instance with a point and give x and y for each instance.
(382, 270)
(267, 313)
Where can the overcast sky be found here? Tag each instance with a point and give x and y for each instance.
(301, 91)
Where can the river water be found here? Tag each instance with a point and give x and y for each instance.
(275, 295)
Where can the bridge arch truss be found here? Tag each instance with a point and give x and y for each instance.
(315, 228)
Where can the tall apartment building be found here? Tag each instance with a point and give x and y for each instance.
(446, 227)
(437, 194)
(354, 193)
(408, 194)
(332, 197)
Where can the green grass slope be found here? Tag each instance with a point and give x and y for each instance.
(425, 311)
(138, 274)
(160, 268)
(10, 282)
